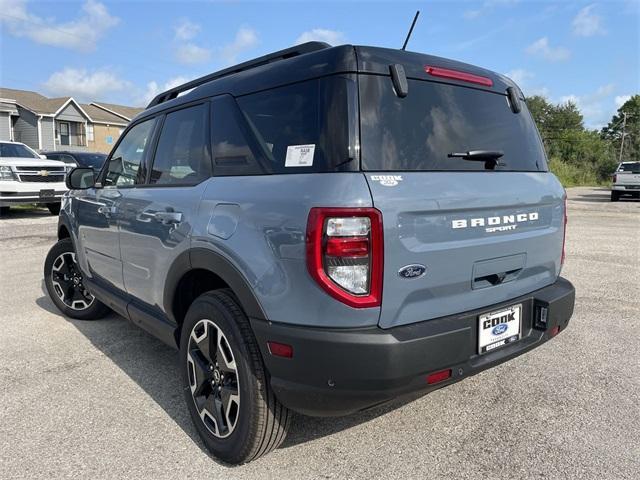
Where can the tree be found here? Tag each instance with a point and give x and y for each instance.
(613, 131)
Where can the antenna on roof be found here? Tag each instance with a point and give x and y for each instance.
(413, 24)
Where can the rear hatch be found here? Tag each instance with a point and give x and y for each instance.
(459, 234)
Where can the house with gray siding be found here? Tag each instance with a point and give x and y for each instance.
(62, 123)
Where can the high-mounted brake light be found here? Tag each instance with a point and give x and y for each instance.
(344, 253)
(458, 75)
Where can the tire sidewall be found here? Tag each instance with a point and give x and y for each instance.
(233, 447)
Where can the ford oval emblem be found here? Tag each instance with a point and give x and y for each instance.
(500, 329)
(412, 271)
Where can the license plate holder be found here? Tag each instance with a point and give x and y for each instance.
(48, 193)
(499, 328)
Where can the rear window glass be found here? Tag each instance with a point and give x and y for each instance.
(302, 128)
(630, 167)
(416, 133)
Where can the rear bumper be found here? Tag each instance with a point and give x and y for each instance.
(626, 188)
(337, 372)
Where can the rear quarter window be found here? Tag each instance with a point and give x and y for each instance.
(417, 132)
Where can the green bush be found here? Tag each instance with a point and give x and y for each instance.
(571, 175)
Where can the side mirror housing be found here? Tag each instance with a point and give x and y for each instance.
(80, 178)
(43, 157)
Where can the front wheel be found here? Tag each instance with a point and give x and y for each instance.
(54, 208)
(225, 383)
(63, 279)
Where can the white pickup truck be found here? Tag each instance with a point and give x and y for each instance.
(626, 180)
(26, 177)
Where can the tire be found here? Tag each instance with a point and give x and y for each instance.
(4, 211)
(54, 208)
(63, 280)
(615, 196)
(255, 422)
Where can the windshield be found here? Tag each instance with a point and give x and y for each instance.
(93, 160)
(16, 150)
(629, 167)
(418, 132)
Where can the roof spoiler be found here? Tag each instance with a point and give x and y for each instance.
(248, 65)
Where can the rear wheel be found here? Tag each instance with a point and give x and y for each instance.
(54, 208)
(4, 211)
(615, 196)
(225, 383)
(64, 282)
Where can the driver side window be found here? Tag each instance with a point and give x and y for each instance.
(127, 158)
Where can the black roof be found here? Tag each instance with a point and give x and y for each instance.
(312, 60)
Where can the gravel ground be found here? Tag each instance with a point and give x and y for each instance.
(101, 399)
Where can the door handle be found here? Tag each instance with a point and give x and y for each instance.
(106, 211)
(168, 218)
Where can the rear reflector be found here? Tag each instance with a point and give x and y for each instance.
(554, 331)
(457, 75)
(280, 349)
(438, 377)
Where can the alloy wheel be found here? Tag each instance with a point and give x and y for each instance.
(66, 279)
(213, 378)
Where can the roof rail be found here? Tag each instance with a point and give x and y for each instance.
(248, 65)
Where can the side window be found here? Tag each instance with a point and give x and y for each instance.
(181, 157)
(125, 162)
(232, 153)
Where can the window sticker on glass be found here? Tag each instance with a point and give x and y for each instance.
(300, 155)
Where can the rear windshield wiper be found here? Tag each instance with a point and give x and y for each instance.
(489, 157)
(478, 155)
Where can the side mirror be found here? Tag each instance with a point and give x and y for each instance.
(80, 178)
(43, 157)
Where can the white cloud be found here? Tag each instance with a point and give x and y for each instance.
(81, 34)
(190, 53)
(542, 48)
(595, 107)
(487, 6)
(84, 85)
(520, 76)
(186, 29)
(621, 100)
(245, 39)
(332, 37)
(587, 24)
(153, 89)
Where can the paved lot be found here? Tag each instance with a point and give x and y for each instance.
(101, 399)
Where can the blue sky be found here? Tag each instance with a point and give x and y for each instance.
(125, 52)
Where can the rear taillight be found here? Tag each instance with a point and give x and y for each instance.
(344, 253)
(615, 177)
(564, 232)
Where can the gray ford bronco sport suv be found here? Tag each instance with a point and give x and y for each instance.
(321, 229)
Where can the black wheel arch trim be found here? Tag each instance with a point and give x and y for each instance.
(205, 259)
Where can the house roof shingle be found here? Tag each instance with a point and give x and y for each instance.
(34, 101)
(122, 110)
(98, 115)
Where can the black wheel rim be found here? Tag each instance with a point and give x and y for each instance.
(213, 378)
(67, 282)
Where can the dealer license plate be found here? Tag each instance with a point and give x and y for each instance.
(499, 328)
(47, 193)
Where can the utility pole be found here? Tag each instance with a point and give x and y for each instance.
(624, 125)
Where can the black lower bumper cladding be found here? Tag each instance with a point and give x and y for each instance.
(341, 371)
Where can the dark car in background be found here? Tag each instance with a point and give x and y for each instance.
(79, 159)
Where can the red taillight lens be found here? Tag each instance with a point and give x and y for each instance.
(457, 75)
(280, 349)
(344, 253)
(564, 233)
(615, 177)
(438, 377)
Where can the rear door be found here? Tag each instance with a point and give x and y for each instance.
(156, 218)
(458, 234)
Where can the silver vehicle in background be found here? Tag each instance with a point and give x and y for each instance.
(626, 181)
